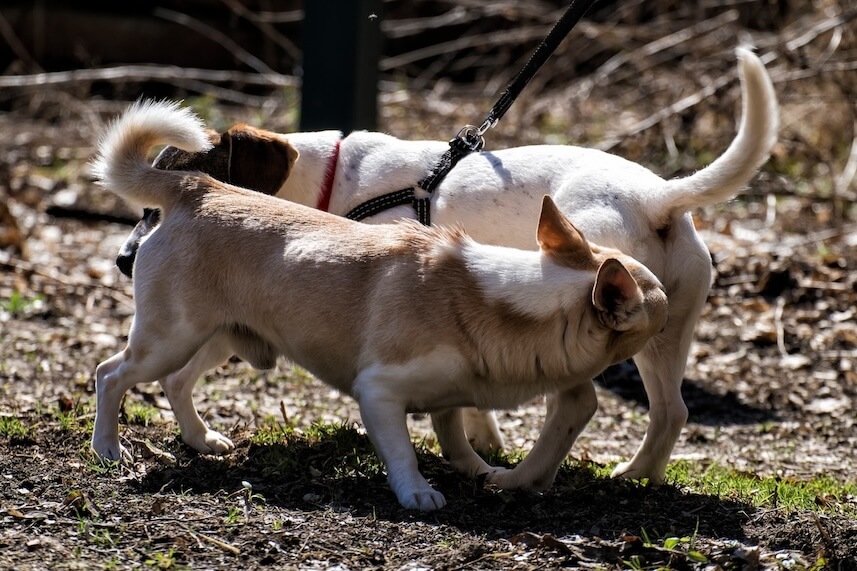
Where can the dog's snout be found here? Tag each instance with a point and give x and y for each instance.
(125, 263)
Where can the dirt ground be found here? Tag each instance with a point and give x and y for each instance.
(771, 387)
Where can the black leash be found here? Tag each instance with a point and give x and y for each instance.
(471, 138)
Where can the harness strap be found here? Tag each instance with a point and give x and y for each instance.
(469, 138)
(422, 208)
(381, 203)
(459, 147)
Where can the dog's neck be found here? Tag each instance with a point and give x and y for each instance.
(309, 177)
(537, 339)
(323, 203)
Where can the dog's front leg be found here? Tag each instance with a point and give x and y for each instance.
(449, 427)
(178, 387)
(567, 415)
(385, 419)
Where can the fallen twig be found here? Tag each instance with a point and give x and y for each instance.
(845, 178)
(781, 330)
(214, 541)
(16, 264)
(216, 36)
(670, 40)
(661, 115)
(266, 28)
(129, 73)
(476, 40)
(17, 46)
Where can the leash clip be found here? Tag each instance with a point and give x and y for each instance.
(471, 137)
(487, 124)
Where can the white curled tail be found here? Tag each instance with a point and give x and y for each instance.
(730, 173)
(121, 164)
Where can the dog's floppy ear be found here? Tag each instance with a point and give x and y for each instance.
(616, 295)
(213, 162)
(259, 160)
(559, 237)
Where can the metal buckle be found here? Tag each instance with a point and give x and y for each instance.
(471, 137)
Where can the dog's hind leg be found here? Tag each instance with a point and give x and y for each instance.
(567, 415)
(141, 361)
(178, 387)
(482, 431)
(449, 427)
(662, 363)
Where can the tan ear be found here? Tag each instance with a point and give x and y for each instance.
(558, 236)
(259, 160)
(616, 295)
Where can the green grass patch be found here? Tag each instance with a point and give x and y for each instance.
(18, 304)
(341, 451)
(334, 450)
(817, 494)
(73, 416)
(163, 560)
(12, 427)
(140, 413)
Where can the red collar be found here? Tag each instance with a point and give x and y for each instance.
(327, 185)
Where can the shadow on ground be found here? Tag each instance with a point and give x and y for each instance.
(704, 405)
(340, 470)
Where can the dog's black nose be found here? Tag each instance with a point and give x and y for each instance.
(125, 264)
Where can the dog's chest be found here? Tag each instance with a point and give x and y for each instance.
(444, 378)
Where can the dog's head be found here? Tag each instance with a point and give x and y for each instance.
(242, 156)
(627, 300)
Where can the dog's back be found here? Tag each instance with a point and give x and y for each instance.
(224, 256)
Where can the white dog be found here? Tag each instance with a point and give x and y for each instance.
(400, 316)
(495, 197)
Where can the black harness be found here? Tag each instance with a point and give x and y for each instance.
(470, 138)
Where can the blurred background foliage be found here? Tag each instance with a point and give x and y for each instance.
(653, 81)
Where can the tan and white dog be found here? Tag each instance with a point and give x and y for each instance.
(495, 197)
(401, 317)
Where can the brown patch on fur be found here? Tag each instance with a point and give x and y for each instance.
(214, 162)
(243, 156)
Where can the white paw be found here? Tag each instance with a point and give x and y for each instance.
(629, 471)
(503, 478)
(111, 451)
(212, 442)
(515, 479)
(423, 500)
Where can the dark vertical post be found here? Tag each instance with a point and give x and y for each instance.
(341, 47)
